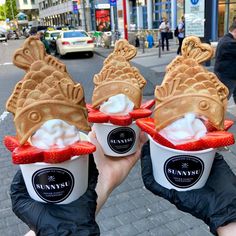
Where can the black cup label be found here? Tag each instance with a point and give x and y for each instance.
(53, 184)
(121, 139)
(183, 171)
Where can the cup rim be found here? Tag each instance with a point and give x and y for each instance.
(84, 137)
(110, 124)
(180, 151)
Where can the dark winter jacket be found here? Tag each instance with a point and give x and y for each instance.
(225, 58)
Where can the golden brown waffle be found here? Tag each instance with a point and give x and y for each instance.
(193, 53)
(118, 76)
(46, 92)
(188, 87)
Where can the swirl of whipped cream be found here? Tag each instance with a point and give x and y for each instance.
(55, 133)
(185, 129)
(117, 105)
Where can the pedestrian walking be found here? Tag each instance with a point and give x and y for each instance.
(164, 29)
(181, 34)
(225, 59)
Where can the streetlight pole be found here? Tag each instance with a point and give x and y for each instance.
(125, 20)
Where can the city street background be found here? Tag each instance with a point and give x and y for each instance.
(131, 209)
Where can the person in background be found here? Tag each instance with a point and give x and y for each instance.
(40, 36)
(150, 40)
(164, 28)
(181, 34)
(137, 43)
(225, 59)
(234, 92)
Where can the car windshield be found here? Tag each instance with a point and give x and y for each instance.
(54, 35)
(75, 34)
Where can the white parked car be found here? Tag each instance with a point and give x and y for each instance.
(3, 37)
(74, 41)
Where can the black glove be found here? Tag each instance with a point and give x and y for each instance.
(215, 203)
(76, 218)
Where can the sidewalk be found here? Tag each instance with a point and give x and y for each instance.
(131, 209)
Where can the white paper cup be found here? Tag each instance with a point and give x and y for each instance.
(59, 183)
(116, 140)
(180, 170)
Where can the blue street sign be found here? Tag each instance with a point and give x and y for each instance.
(113, 3)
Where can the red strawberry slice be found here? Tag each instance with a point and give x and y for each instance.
(140, 113)
(218, 139)
(121, 120)
(27, 154)
(82, 148)
(57, 155)
(163, 141)
(147, 125)
(148, 104)
(228, 124)
(90, 107)
(210, 127)
(97, 117)
(194, 145)
(11, 142)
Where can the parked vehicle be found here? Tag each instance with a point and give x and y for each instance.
(3, 37)
(13, 35)
(74, 41)
(52, 35)
(35, 29)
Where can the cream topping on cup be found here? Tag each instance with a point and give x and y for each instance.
(185, 129)
(117, 105)
(55, 133)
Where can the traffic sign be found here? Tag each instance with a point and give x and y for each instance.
(113, 3)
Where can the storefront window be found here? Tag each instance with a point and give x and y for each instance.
(227, 11)
(232, 11)
(161, 9)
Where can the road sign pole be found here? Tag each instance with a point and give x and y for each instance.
(125, 20)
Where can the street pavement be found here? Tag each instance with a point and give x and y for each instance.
(131, 209)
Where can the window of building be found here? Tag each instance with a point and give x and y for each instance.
(25, 1)
(226, 13)
(161, 8)
(32, 2)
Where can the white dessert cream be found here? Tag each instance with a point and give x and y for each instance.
(117, 105)
(55, 133)
(185, 129)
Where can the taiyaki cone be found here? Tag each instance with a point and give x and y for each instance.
(202, 94)
(46, 92)
(202, 105)
(193, 53)
(124, 49)
(118, 76)
(32, 56)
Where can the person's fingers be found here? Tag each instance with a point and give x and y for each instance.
(98, 154)
(143, 138)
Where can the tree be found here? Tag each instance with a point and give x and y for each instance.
(2, 12)
(11, 9)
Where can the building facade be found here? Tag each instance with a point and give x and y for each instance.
(30, 8)
(106, 15)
